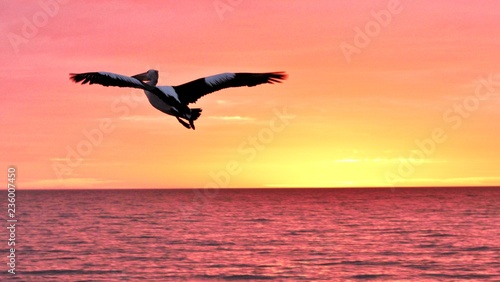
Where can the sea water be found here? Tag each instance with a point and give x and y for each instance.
(417, 234)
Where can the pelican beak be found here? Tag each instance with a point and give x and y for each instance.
(142, 76)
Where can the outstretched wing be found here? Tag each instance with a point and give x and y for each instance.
(108, 79)
(113, 79)
(190, 92)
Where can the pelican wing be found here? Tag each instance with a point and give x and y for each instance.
(108, 79)
(113, 79)
(190, 92)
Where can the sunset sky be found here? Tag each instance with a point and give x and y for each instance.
(380, 93)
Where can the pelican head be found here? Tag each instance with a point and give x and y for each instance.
(151, 76)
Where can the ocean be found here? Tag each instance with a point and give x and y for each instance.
(417, 234)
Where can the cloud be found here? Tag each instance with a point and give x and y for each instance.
(381, 160)
(455, 181)
(142, 118)
(231, 118)
(74, 182)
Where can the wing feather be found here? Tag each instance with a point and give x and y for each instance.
(107, 79)
(190, 92)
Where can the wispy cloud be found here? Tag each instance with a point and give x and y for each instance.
(454, 181)
(329, 184)
(142, 118)
(231, 118)
(75, 182)
(380, 160)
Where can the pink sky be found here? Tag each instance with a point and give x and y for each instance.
(353, 121)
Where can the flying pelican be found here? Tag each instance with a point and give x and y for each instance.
(174, 100)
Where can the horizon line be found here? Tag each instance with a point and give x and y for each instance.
(261, 188)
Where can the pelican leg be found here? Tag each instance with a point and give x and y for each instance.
(191, 122)
(183, 123)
